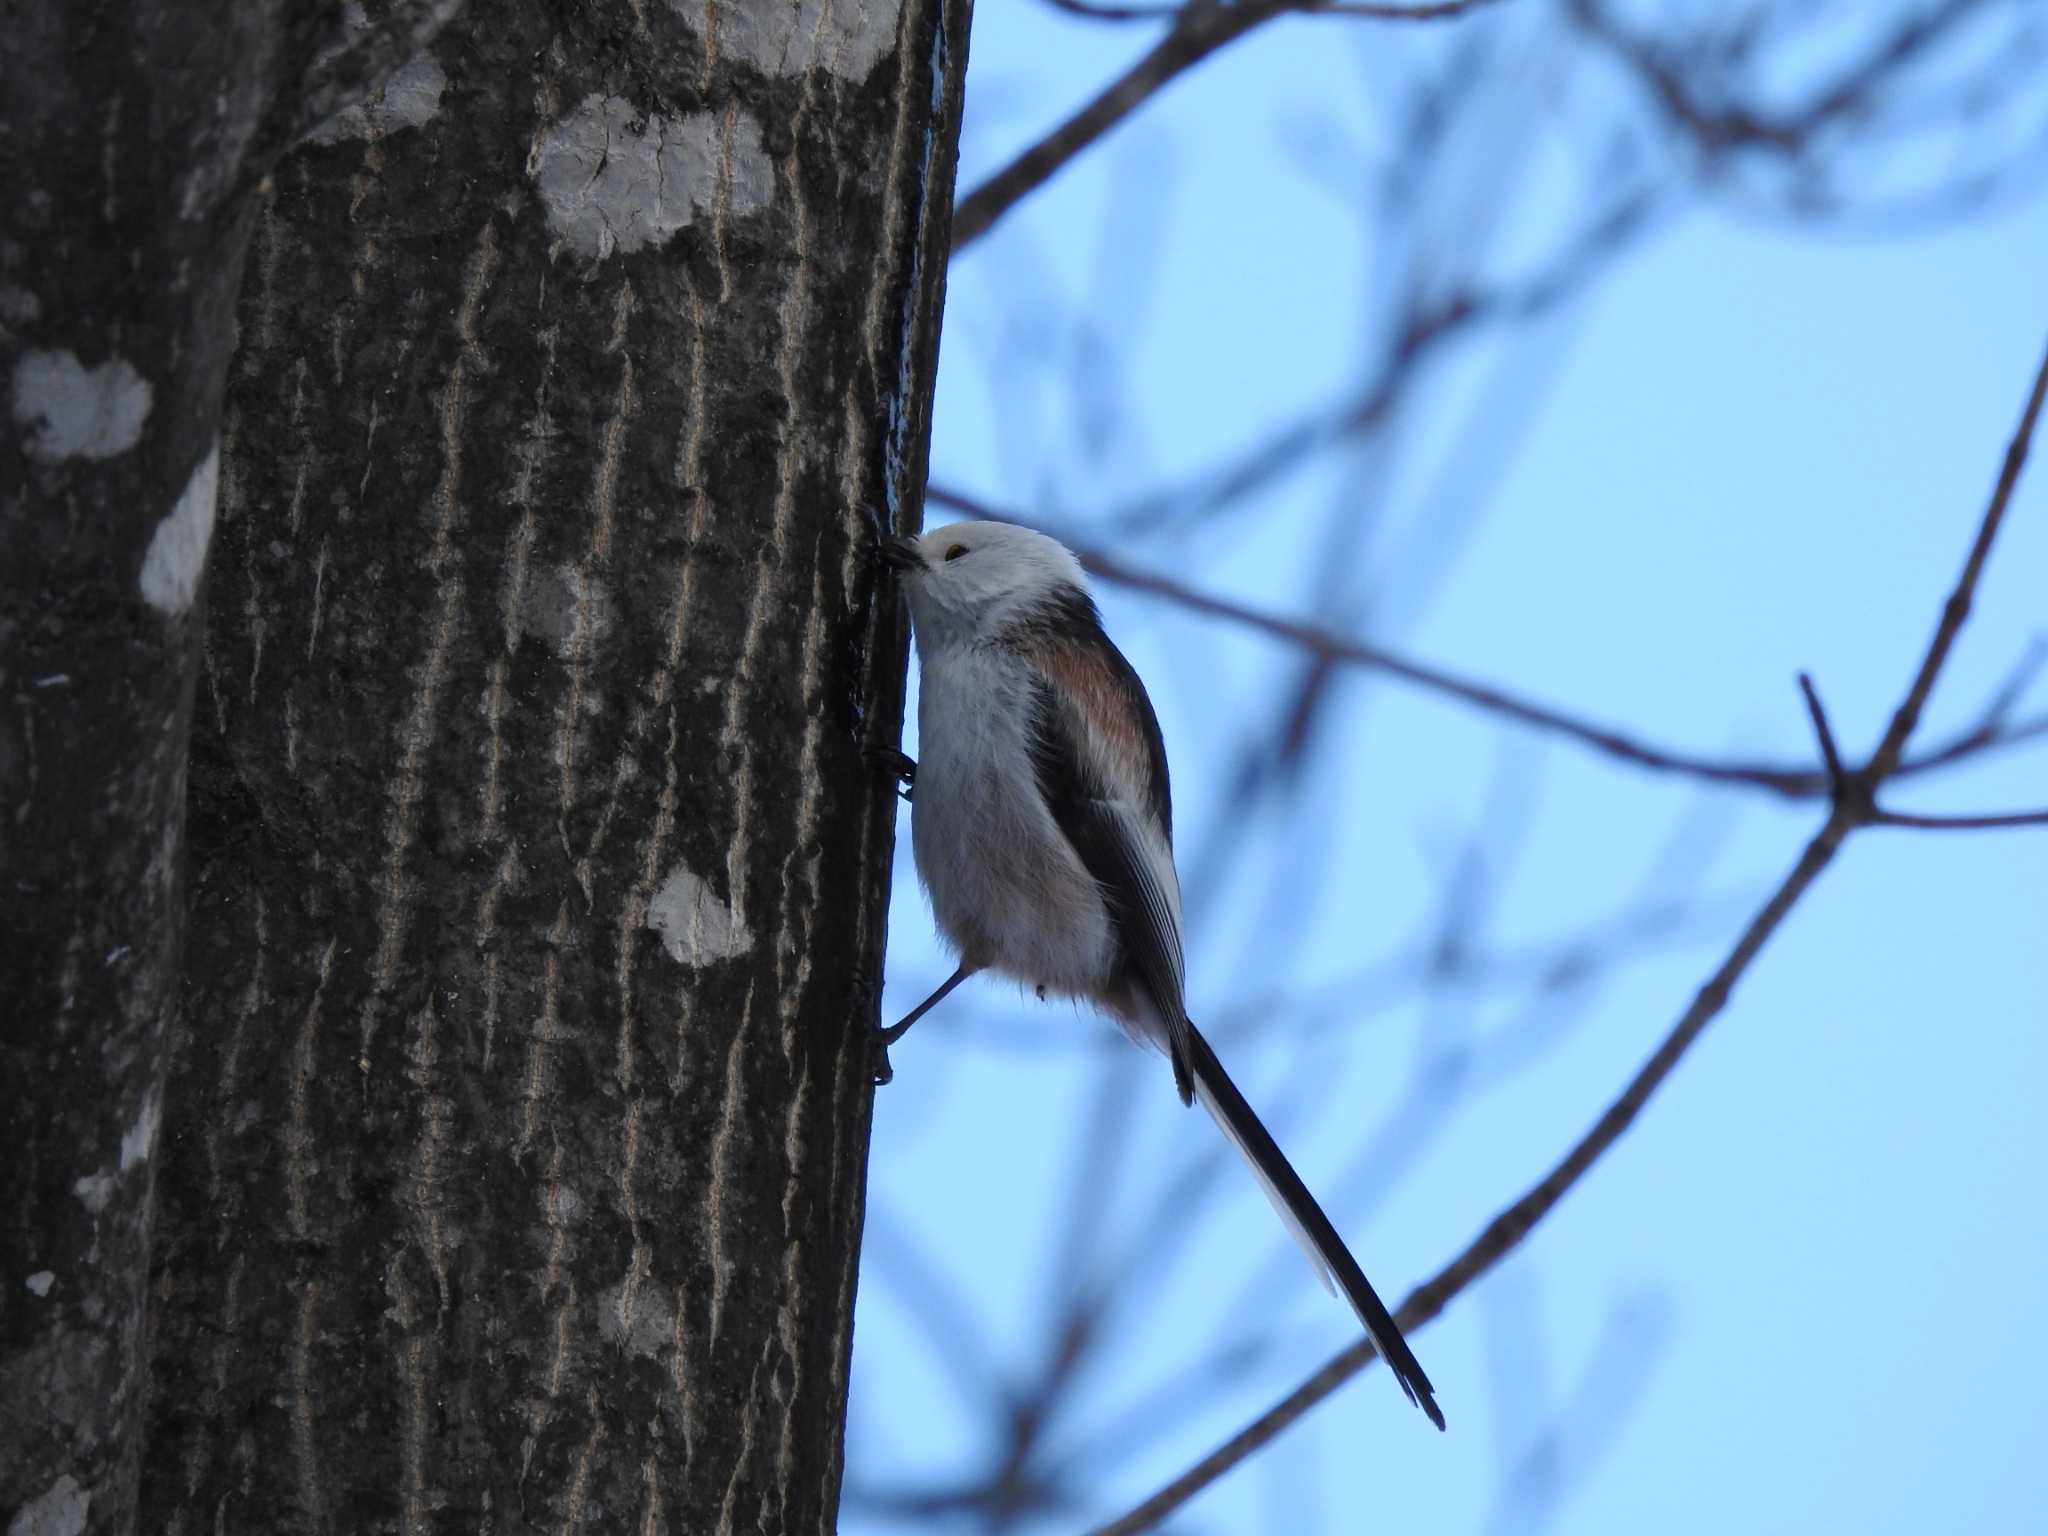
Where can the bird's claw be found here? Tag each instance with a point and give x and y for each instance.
(898, 765)
(867, 997)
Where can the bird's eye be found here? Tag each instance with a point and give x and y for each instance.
(956, 551)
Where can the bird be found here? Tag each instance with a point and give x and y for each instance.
(1042, 825)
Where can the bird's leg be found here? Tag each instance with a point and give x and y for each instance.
(888, 1037)
(901, 1027)
(899, 766)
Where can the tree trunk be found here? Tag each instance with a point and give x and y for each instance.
(134, 136)
(513, 1148)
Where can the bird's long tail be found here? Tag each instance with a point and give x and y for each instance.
(1311, 1228)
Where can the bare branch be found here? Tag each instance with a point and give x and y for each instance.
(1515, 1223)
(1201, 27)
(1705, 87)
(1439, 10)
(1201, 30)
(1428, 327)
(1892, 748)
(1547, 1460)
(1508, 1229)
(1650, 928)
(1721, 128)
(1792, 782)
(1094, 12)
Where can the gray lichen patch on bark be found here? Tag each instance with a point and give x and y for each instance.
(695, 925)
(69, 411)
(139, 1140)
(60, 1510)
(787, 39)
(177, 550)
(409, 99)
(613, 178)
(94, 1190)
(567, 607)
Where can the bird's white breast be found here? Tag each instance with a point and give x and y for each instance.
(1006, 887)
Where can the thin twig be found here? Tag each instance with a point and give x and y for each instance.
(1822, 733)
(1509, 1228)
(1838, 781)
(1960, 823)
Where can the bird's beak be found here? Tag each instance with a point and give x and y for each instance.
(902, 554)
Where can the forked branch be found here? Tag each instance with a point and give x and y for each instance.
(1847, 812)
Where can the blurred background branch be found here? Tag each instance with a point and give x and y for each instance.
(1292, 421)
(1854, 806)
(1990, 730)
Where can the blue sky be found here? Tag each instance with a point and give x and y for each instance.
(1805, 1289)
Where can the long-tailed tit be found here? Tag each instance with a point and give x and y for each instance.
(1043, 826)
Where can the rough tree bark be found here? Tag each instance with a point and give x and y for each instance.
(511, 1159)
(133, 138)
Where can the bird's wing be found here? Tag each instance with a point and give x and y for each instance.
(1311, 1228)
(1100, 765)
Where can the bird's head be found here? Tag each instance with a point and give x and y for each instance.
(968, 579)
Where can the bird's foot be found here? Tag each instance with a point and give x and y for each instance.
(867, 997)
(900, 767)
